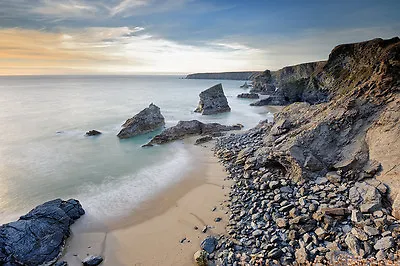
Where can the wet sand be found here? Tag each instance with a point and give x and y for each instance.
(161, 231)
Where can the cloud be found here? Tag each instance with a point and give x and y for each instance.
(126, 5)
(114, 50)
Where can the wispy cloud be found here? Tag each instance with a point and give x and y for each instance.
(114, 50)
(126, 5)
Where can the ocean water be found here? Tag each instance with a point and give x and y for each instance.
(45, 155)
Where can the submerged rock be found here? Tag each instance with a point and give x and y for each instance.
(248, 95)
(147, 120)
(187, 128)
(213, 101)
(92, 133)
(38, 237)
(245, 86)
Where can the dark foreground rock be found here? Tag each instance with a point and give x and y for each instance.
(190, 128)
(248, 95)
(92, 261)
(38, 237)
(92, 133)
(213, 101)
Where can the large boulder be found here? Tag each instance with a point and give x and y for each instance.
(38, 237)
(147, 120)
(188, 128)
(213, 101)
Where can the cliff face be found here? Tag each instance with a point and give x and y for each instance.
(292, 84)
(334, 154)
(363, 82)
(224, 75)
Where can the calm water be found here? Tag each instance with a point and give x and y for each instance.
(44, 154)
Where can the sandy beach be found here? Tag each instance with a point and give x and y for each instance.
(167, 229)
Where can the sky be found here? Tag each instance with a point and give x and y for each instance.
(182, 36)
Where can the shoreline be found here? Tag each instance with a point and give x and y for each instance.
(174, 213)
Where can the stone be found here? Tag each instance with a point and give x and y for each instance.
(320, 232)
(209, 244)
(274, 253)
(384, 243)
(92, 133)
(333, 177)
(147, 120)
(213, 101)
(301, 255)
(200, 257)
(360, 234)
(61, 263)
(370, 207)
(281, 222)
(38, 237)
(356, 216)
(92, 261)
(371, 231)
(353, 244)
(218, 219)
(257, 233)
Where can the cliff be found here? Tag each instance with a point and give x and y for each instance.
(292, 83)
(247, 75)
(322, 180)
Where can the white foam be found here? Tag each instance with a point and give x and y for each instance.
(116, 198)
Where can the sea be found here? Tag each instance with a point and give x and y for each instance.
(44, 153)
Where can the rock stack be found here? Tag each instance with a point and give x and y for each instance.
(213, 101)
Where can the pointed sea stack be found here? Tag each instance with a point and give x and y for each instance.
(213, 101)
(147, 120)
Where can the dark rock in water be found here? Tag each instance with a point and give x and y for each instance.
(38, 237)
(203, 140)
(92, 261)
(61, 263)
(270, 100)
(147, 120)
(245, 86)
(209, 244)
(248, 95)
(213, 101)
(92, 133)
(187, 128)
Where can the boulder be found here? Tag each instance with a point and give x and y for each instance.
(92, 261)
(200, 257)
(209, 244)
(188, 128)
(248, 95)
(92, 133)
(147, 120)
(213, 101)
(38, 237)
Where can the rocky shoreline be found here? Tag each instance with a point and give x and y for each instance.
(308, 187)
